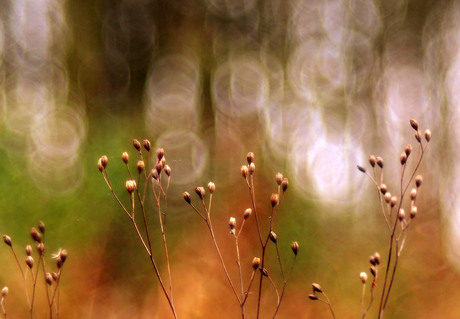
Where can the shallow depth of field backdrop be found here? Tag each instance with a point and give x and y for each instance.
(311, 87)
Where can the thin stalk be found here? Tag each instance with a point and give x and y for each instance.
(23, 276)
(285, 280)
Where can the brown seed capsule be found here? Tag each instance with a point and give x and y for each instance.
(372, 260)
(316, 288)
(377, 258)
(29, 250)
(159, 166)
(295, 247)
(361, 169)
(284, 184)
(251, 168)
(4, 291)
(373, 271)
(418, 180)
(428, 135)
(30, 261)
(160, 153)
(363, 277)
(414, 124)
(313, 297)
(167, 170)
(379, 161)
(255, 263)
(104, 161)
(163, 161)
(394, 201)
(140, 166)
(244, 171)
(232, 223)
(273, 237)
(137, 145)
(200, 192)
(59, 262)
(187, 197)
(383, 188)
(48, 278)
(125, 157)
(372, 160)
(250, 157)
(99, 165)
(403, 158)
(418, 136)
(387, 197)
(54, 275)
(401, 215)
(41, 249)
(35, 235)
(7, 240)
(408, 149)
(279, 178)
(41, 227)
(413, 212)
(63, 255)
(146, 144)
(154, 173)
(413, 194)
(130, 186)
(274, 199)
(211, 187)
(247, 213)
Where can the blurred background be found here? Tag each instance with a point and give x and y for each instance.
(311, 87)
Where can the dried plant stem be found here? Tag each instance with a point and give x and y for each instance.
(362, 299)
(249, 287)
(285, 280)
(328, 302)
(34, 280)
(23, 276)
(56, 290)
(3, 308)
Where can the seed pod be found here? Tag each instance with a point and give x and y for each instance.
(146, 144)
(428, 135)
(393, 201)
(7, 240)
(125, 157)
(48, 278)
(41, 249)
(250, 157)
(284, 184)
(387, 197)
(316, 288)
(413, 194)
(247, 213)
(403, 158)
(35, 235)
(383, 188)
(361, 169)
(137, 145)
(279, 178)
(104, 161)
(244, 171)
(167, 170)
(251, 168)
(255, 263)
(211, 187)
(414, 124)
(4, 291)
(401, 215)
(418, 181)
(379, 161)
(373, 271)
(30, 261)
(377, 258)
(200, 192)
(413, 212)
(418, 136)
(160, 153)
(154, 174)
(59, 262)
(274, 199)
(130, 186)
(313, 297)
(408, 149)
(41, 227)
(363, 277)
(29, 250)
(54, 275)
(187, 197)
(273, 237)
(372, 160)
(63, 255)
(372, 260)
(295, 247)
(232, 223)
(140, 166)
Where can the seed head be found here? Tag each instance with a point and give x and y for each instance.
(372, 160)
(200, 192)
(4, 291)
(313, 297)
(154, 173)
(273, 237)
(7, 240)
(159, 166)
(35, 235)
(137, 145)
(428, 135)
(401, 215)
(125, 157)
(187, 197)
(414, 124)
(30, 261)
(256, 263)
(413, 212)
(379, 161)
(41, 249)
(284, 184)
(418, 180)
(247, 213)
(361, 169)
(373, 271)
(59, 263)
(403, 158)
(383, 188)
(160, 153)
(130, 186)
(250, 157)
(102, 163)
(252, 168)
(387, 197)
(167, 170)
(418, 136)
(232, 224)
(377, 258)
(29, 250)
(54, 275)
(408, 149)
(140, 166)
(316, 288)
(146, 144)
(63, 255)
(363, 277)
(413, 194)
(211, 187)
(41, 227)
(279, 178)
(274, 199)
(244, 171)
(295, 247)
(48, 278)
(393, 201)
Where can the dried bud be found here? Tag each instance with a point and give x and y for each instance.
(279, 178)
(414, 124)
(232, 223)
(7, 240)
(413, 194)
(372, 260)
(48, 278)
(187, 197)
(363, 277)
(408, 149)
(137, 145)
(140, 166)
(4, 291)
(274, 199)
(373, 271)
(387, 197)
(244, 171)
(251, 168)
(41, 249)
(418, 180)
(413, 212)
(35, 235)
(55, 276)
(394, 201)
(102, 163)
(160, 153)
(63, 255)
(29, 250)
(313, 297)
(159, 166)
(30, 261)
(211, 187)
(361, 169)
(163, 161)
(250, 157)
(428, 135)
(401, 215)
(59, 262)
(41, 227)
(130, 186)
(167, 170)
(377, 258)
(273, 237)
(146, 144)
(383, 188)
(372, 160)
(154, 173)
(418, 136)
(295, 247)
(403, 158)
(264, 272)
(379, 161)
(284, 184)
(200, 192)
(255, 263)
(125, 157)
(247, 213)
(316, 288)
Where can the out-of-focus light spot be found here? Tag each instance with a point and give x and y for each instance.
(189, 155)
(171, 98)
(365, 17)
(240, 87)
(231, 8)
